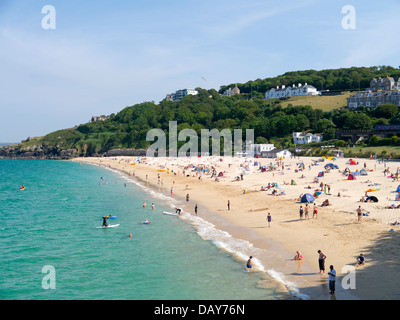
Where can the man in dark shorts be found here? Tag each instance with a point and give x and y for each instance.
(321, 262)
(301, 211)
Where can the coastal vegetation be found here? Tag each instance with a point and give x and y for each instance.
(273, 120)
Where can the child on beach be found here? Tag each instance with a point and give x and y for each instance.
(298, 256)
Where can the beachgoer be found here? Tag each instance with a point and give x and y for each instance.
(359, 214)
(269, 219)
(187, 197)
(315, 212)
(301, 212)
(130, 235)
(229, 205)
(178, 210)
(144, 204)
(332, 279)
(249, 265)
(298, 256)
(152, 206)
(306, 212)
(195, 208)
(321, 262)
(360, 260)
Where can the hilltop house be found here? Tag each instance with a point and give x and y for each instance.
(231, 91)
(98, 118)
(286, 92)
(178, 95)
(381, 91)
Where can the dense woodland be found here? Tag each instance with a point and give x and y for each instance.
(270, 121)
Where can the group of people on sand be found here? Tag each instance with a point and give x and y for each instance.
(305, 213)
(360, 261)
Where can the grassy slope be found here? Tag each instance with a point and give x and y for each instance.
(325, 103)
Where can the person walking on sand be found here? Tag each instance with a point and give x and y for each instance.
(301, 212)
(229, 205)
(359, 214)
(269, 219)
(332, 279)
(306, 212)
(315, 212)
(195, 209)
(321, 262)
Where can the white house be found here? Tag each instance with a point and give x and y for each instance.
(285, 92)
(303, 138)
(257, 149)
(276, 153)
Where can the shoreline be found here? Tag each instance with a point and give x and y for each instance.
(335, 231)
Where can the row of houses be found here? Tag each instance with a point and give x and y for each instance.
(293, 91)
(381, 91)
(279, 92)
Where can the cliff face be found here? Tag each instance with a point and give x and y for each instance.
(35, 152)
(42, 152)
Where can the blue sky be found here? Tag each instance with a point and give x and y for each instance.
(106, 55)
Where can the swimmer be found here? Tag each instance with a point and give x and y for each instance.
(144, 204)
(249, 265)
(146, 221)
(152, 206)
(130, 235)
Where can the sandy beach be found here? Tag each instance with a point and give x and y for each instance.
(335, 230)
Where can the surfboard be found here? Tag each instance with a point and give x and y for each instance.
(109, 226)
(170, 213)
(112, 217)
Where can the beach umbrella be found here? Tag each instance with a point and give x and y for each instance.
(307, 198)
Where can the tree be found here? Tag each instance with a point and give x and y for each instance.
(323, 125)
(373, 141)
(357, 121)
(386, 110)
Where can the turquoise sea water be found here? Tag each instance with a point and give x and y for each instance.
(53, 223)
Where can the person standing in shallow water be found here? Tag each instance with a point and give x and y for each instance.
(195, 209)
(332, 279)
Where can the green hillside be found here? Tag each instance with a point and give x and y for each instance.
(272, 120)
